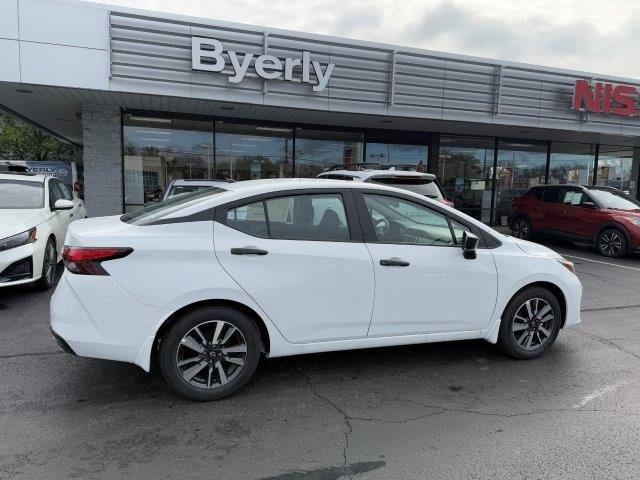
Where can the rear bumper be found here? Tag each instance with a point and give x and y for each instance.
(92, 316)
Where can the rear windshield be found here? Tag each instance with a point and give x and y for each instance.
(161, 210)
(21, 194)
(423, 186)
(613, 199)
(180, 189)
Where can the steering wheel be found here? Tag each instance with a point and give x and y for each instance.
(382, 228)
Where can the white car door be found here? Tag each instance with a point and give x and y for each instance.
(300, 256)
(423, 282)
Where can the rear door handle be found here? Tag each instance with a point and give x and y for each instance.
(393, 262)
(248, 251)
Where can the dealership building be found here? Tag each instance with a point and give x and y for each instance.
(152, 97)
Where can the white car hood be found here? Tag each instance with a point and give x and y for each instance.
(535, 249)
(14, 221)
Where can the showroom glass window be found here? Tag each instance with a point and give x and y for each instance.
(318, 150)
(521, 165)
(160, 150)
(615, 168)
(571, 163)
(398, 148)
(465, 169)
(248, 152)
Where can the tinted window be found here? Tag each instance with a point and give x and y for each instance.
(535, 192)
(160, 211)
(551, 195)
(308, 217)
(400, 221)
(21, 194)
(338, 177)
(423, 186)
(179, 190)
(249, 219)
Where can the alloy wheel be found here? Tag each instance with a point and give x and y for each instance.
(611, 243)
(50, 263)
(211, 354)
(533, 324)
(521, 229)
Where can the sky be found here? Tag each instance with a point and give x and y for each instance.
(589, 35)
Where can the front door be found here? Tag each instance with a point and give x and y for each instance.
(575, 218)
(423, 282)
(302, 260)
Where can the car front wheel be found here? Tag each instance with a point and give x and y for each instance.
(210, 353)
(49, 266)
(522, 229)
(530, 323)
(612, 243)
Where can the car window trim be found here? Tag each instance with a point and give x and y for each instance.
(368, 230)
(353, 222)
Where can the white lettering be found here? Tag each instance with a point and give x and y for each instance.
(240, 69)
(207, 54)
(323, 78)
(197, 53)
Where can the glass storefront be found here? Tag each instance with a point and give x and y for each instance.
(521, 165)
(248, 152)
(615, 168)
(571, 163)
(318, 150)
(160, 150)
(465, 170)
(401, 149)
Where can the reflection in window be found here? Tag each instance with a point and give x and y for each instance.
(521, 165)
(248, 152)
(160, 150)
(465, 170)
(398, 148)
(318, 150)
(615, 167)
(571, 163)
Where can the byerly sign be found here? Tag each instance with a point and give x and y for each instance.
(207, 54)
(606, 98)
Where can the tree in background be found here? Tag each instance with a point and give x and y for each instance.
(20, 141)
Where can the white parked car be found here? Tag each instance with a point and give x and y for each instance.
(418, 182)
(182, 186)
(208, 282)
(35, 212)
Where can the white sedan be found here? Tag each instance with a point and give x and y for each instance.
(35, 212)
(206, 283)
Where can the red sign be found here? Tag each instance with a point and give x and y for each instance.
(605, 98)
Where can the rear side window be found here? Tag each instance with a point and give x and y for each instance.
(423, 186)
(551, 195)
(320, 217)
(536, 193)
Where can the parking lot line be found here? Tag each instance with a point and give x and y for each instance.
(600, 261)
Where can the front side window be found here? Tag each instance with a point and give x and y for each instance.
(573, 197)
(21, 194)
(55, 192)
(319, 217)
(400, 221)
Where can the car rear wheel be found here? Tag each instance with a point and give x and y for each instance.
(530, 324)
(521, 228)
(612, 243)
(49, 266)
(210, 353)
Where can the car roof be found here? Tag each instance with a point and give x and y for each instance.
(198, 181)
(26, 177)
(364, 174)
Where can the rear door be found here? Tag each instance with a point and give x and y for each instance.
(301, 257)
(549, 209)
(423, 282)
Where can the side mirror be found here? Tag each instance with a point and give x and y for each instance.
(589, 204)
(63, 204)
(469, 245)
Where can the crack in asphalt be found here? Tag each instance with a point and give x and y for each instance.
(34, 354)
(607, 342)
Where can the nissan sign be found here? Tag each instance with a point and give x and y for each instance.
(207, 55)
(607, 98)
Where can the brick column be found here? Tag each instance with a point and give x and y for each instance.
(102, 155)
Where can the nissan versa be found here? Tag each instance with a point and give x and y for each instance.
(207, 282)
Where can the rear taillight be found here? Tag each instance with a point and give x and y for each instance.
(87, 260)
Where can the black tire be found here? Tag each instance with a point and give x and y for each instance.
(612, 242)
(49, 267)
(511, 341)
(521, 228)
(172, 350)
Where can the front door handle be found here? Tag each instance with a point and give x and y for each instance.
(393, 262)
(248, 251)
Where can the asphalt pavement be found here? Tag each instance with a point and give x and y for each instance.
(437, 411)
